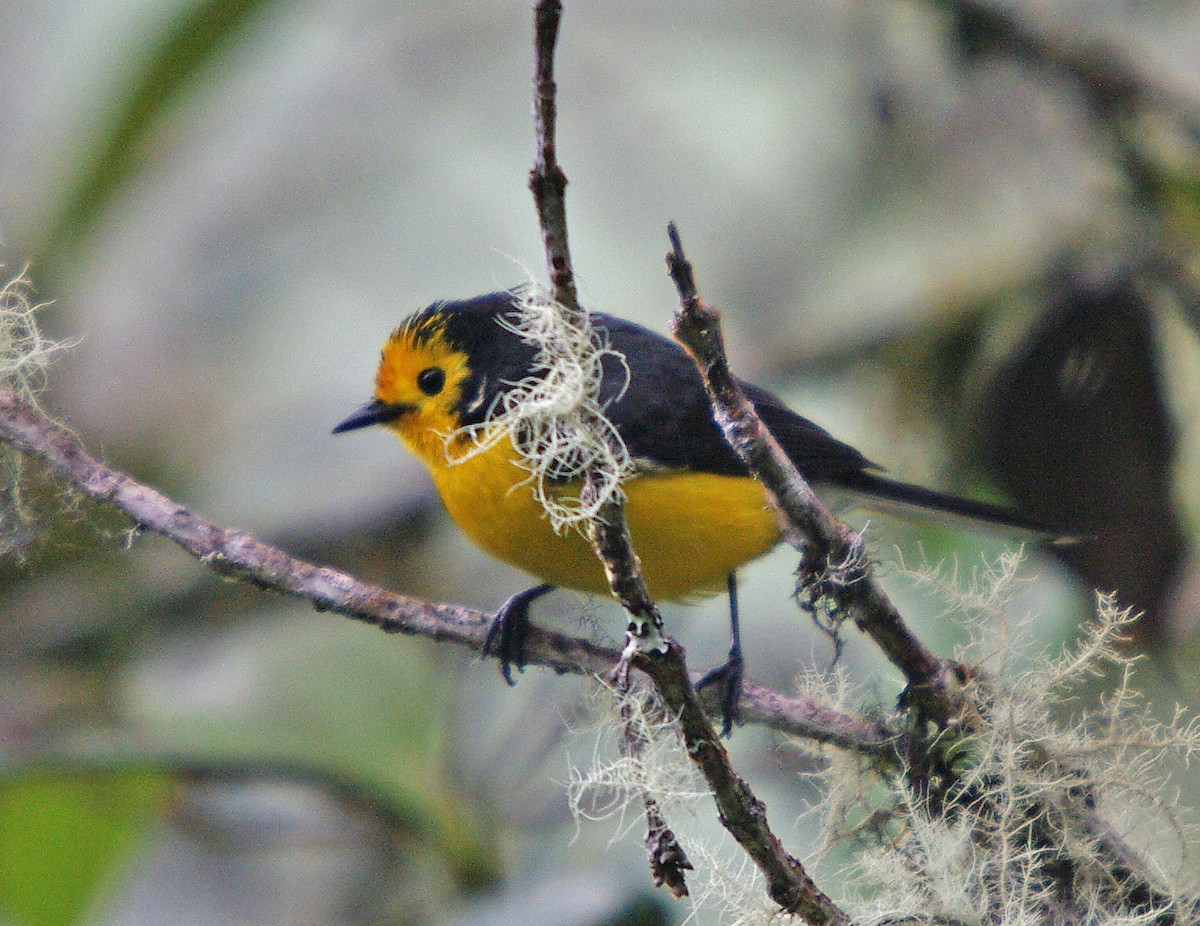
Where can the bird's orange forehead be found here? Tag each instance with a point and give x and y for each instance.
(414, 347)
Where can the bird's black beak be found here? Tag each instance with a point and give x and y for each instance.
(373, 412)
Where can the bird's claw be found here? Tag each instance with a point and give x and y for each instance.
(510, 627)
(728, 679)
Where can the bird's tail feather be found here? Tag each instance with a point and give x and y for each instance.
(871, 491)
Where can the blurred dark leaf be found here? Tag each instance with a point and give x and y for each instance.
(1077, 432)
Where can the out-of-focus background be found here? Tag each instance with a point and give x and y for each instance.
(959, 235)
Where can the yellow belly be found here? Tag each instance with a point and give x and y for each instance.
(689, 529)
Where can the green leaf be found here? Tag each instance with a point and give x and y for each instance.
(62, 835)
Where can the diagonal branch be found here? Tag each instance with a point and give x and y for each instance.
(237, 554)
(835, 565)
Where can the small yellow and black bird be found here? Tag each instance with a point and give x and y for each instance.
(694, 512)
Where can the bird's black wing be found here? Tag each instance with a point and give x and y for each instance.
(666, 420)
(818, 455)
(663, 413)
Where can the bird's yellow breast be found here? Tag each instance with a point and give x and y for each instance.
(689, 529)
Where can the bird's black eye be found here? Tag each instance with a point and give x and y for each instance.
(431, 380)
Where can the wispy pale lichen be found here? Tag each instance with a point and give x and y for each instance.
(24, 352)
(554, 416)
(611, 788)
(1046, 812)
(1056, 814)
(24, 355)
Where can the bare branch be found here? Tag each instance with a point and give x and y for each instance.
(834, 562)
(238, 554)
(648, 648)
(547, 180)
(668, 860)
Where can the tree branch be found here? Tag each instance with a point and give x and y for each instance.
(236, 553)
(834, 565)
(547, 180)
(647, 647)
(668, 860)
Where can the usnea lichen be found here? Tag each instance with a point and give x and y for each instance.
(1051, 813)
(554, 416)
(24, 356)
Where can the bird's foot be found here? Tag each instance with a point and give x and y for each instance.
(510, 627)
(727, 677)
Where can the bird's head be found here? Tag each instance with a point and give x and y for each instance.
(441, 370)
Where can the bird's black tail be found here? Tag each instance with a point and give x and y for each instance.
(871, 491)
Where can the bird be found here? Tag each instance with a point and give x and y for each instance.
(694, 512)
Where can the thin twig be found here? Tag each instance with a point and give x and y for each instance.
(547, 180)
(834, 564)
(668, 860)
(647, 647)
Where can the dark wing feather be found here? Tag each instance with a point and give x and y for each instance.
(818, 455)
(665, 417)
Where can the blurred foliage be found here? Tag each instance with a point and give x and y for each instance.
(188, 44)
(63, 835)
